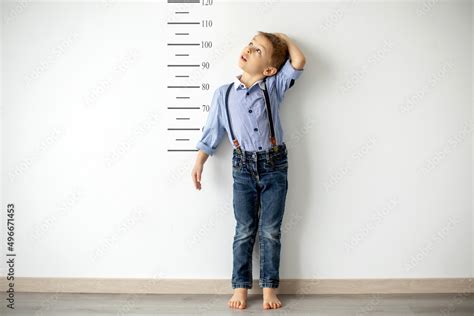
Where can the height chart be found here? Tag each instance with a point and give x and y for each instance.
(188, 46)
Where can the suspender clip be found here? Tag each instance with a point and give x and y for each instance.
(237, 146)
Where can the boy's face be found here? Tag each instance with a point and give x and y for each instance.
(255, 57)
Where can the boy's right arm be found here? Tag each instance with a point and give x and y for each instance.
(213, 133)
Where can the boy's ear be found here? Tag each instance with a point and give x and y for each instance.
(270, 71)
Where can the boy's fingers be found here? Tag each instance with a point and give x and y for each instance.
(194, 176)
(199, 172)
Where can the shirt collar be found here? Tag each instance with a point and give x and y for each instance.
(238, 83)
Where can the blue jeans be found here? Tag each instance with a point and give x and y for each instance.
(259, 194)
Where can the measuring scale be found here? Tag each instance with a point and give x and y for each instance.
(185, 69)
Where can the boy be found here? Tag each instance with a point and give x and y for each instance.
(247, 110)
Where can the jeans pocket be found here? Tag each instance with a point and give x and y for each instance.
(278, 162)
(236, 162)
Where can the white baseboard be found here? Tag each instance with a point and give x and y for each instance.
(223, 286)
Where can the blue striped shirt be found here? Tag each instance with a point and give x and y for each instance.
(248, 112)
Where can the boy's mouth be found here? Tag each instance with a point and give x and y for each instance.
(243, 58)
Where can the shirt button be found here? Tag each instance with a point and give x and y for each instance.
(250, 111)
(259, 147)
(255, 129)
(247, 93)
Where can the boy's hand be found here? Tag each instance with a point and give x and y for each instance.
(197, 170)
(282, 36)
(196, 175)
(298, 60)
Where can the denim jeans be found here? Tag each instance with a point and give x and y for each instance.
(259, 195)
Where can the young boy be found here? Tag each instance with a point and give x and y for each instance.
(249, 115)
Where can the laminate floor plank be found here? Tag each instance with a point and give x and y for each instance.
(81, 304)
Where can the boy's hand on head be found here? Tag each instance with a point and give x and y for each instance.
(282, 36)
(298, 60)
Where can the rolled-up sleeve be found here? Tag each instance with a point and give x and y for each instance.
(285, 78)
(214, 129)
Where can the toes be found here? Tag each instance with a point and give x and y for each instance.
(237, 304)
(272, 305)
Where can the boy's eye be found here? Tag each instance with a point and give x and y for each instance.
(258, 49)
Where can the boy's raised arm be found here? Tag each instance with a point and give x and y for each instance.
(297, 58)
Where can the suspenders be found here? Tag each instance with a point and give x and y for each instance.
(270, 118)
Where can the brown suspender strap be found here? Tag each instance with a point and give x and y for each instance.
(269, 113)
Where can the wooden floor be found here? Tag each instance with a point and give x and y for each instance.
(171, 304)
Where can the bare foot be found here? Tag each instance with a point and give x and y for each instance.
(270, 300)
(239, 299)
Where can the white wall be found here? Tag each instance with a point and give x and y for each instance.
(378, 127)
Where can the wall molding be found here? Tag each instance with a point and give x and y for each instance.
(223, 286)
